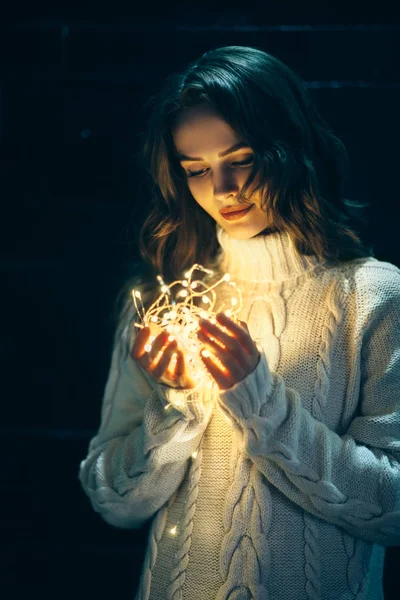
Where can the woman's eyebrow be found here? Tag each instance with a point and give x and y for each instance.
(237, 146)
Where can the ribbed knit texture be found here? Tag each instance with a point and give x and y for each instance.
(295, 489)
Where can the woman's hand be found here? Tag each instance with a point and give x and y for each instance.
(235, 350)
(157, 362)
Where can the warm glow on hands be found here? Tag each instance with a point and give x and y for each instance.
(230, 354)
(179, 316)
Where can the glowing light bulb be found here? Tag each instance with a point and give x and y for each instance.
(234, 301)
(147, 347)
(194, 454)
(137, 294)
(164, 288)
(185, 283)
(227, 277)
(206, 300)
(205, 353)
(173, 530)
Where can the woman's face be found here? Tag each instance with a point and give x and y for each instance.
(215, 176)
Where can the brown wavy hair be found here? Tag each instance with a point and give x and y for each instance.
(302, 165)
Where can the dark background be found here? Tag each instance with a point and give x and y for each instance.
(73, 84)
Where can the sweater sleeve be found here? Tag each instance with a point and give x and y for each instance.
(350, 480)
(139, 455)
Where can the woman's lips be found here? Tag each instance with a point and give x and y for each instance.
(233, 216)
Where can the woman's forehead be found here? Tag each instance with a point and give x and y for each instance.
(201, 131)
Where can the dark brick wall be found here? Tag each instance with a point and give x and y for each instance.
(73, 84)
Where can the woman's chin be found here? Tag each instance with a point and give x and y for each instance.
(246, 233)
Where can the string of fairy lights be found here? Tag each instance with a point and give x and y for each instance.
(177, 310)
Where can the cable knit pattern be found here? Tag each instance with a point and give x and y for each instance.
(295, 491)
(174, 591)
(312, 566)
(156, 532)
(244, 551)
(359, 555)
(324, 363)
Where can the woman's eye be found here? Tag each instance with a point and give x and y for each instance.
(243, 163)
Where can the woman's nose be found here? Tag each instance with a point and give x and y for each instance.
(225, 185)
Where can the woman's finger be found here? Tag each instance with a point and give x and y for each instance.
(140, 342)
(207, 341)
(158, 344)
(216, 332)
(234, 328)
(179, 365)
(147, 358)
(222, 379)
(157, 369)
(239, 332)
(227, 361)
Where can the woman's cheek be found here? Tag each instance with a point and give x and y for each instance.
(197, 191)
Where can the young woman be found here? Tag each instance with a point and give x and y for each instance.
(287, 485)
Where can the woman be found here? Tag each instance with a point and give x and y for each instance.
(287, 484)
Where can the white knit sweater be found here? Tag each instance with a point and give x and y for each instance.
(295, 490)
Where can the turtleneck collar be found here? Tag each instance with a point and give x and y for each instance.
(269, 257)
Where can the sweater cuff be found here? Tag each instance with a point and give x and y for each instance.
(254, 406)
(245, 399)
(167, 434)
(191, 405)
